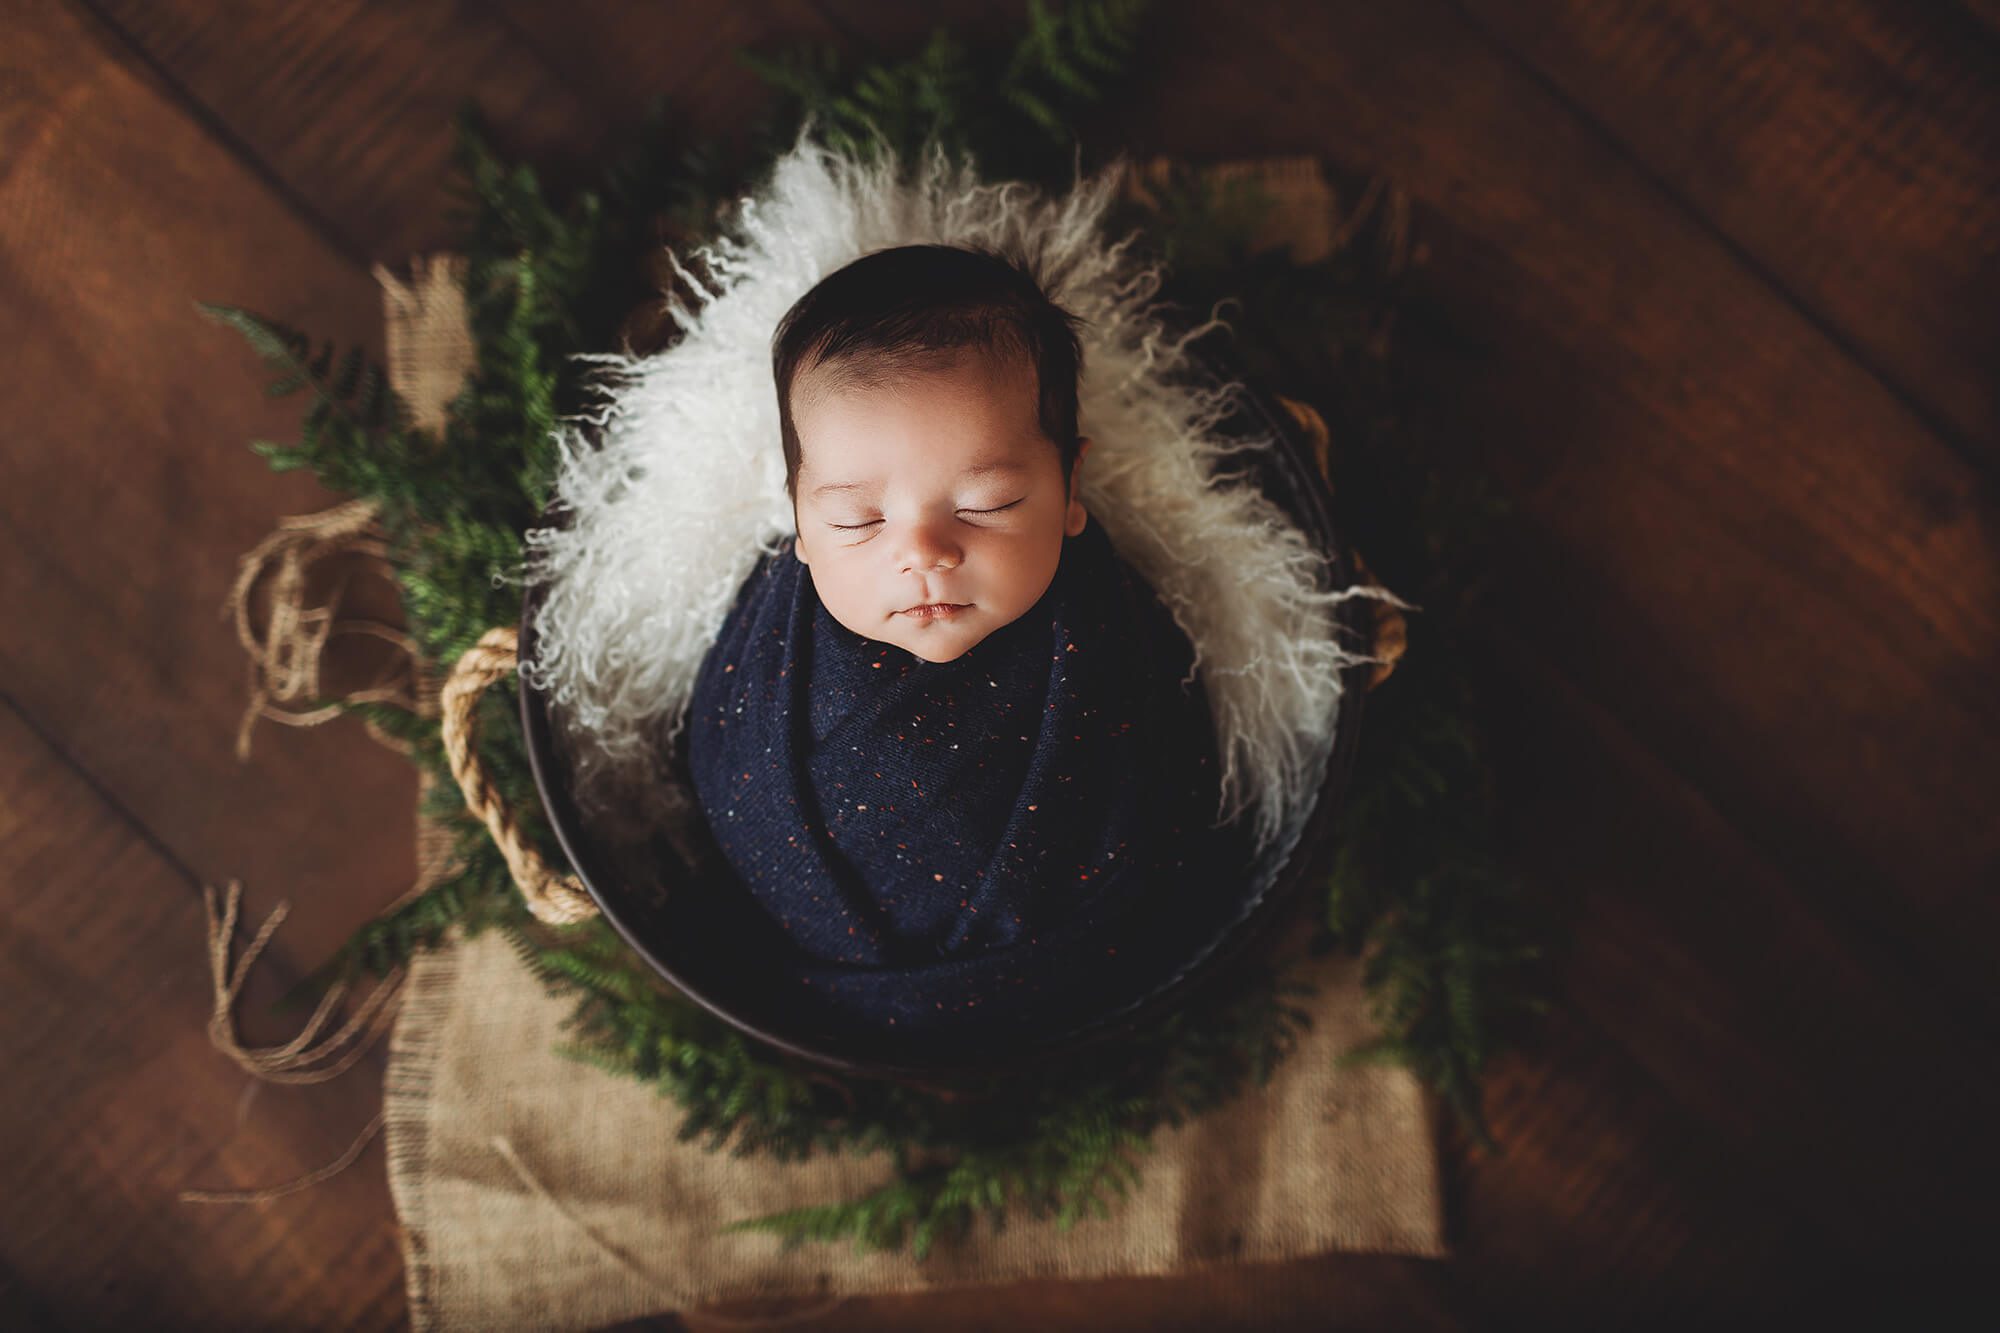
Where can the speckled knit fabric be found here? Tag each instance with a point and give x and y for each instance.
(1018, 836)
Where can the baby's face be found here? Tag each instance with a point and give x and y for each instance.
(938, 489)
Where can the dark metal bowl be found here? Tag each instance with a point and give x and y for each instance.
(674, 899)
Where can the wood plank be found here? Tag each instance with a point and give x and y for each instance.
(1714, 503)
(1851, 151)
(347, 106)
(625, 57)
(1985, 11)
(1608, 1208)
(117, 1103)
(127, 496)
(1833, 1084)
(1336, 1292)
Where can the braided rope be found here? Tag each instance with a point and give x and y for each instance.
(1391, 631)
(556, 899)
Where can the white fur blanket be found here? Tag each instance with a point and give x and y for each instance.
(683, 490)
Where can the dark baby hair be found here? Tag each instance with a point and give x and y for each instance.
(913, 308)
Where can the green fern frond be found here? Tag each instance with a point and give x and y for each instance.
(352, 407)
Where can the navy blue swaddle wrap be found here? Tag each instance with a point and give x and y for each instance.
(1014, 837)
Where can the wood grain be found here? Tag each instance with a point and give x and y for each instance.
(126, 497)
(1713, 501)
(1343, 1292)
(116, 1103)
(1817, 1080)
(691, 62)
(1850, 152)
(346, 107)
(1707, 289)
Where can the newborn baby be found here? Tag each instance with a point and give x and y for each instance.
(951, 742)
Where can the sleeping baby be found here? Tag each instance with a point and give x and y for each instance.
(950, 741)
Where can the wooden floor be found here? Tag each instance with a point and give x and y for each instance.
(1713, 289)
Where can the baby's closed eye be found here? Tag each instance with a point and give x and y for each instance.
(855, 527)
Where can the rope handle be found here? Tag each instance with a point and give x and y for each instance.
(1391, 632)
(557, 899)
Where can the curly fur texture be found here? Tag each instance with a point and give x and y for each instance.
(670, 508)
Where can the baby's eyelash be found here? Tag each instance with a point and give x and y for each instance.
(856, 527)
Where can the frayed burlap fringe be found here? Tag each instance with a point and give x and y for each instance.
(408, 1090)
(285, 657)
(308, 1057)
(304, 1182)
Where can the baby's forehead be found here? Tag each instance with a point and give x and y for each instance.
(1000, 368)
(956, 412)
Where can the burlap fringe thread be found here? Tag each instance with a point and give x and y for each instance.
(285, 662)
(285, 659)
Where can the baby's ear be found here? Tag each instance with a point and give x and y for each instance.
(1077, 516)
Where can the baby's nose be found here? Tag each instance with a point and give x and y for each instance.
(918, 563)
(923, 552)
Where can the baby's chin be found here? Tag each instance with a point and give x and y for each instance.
(932, 652)
(934, 643)
(939, 643)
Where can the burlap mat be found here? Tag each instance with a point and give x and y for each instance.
(537, 1192)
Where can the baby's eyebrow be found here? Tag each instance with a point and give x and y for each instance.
(976, 470)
